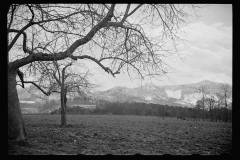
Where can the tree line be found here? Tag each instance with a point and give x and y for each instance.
(216, 107)
(150, 109)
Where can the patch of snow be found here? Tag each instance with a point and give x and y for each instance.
(185, 103)
(192, 98)
(88, 106)
(174, 94)
(29, 102)
(160, 96)
(181, 102)
(148, 98)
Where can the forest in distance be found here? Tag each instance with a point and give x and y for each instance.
(135, 108)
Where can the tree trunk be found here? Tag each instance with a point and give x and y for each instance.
(16, 129)
(203, 109)
(63, 110)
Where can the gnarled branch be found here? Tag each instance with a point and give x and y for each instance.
(108, 70)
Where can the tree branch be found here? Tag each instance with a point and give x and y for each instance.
(96, 61)
(17, 36)
(20, 74)
(134, 10)
(43, 21)
(24, 38)
(63, 73)
(126, 12)
(31, 12)
(46, 93)
(13, 9)
(127, 62)
(59, 75)
(40, 56)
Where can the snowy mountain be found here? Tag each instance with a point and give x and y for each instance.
(178, 95)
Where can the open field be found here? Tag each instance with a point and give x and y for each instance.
(122, 135)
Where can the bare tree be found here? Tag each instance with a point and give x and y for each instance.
(62, 79)
(203, 90)
(224, 96)
(198, 110)
(113, 36)
(211, 101)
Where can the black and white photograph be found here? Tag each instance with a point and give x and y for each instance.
(119, 79)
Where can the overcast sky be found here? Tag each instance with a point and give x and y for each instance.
(209, 57)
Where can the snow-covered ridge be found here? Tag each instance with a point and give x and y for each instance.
(183, 95)
(174, 94)
(192, 98)
(177, 95)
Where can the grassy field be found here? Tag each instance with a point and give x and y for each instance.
(122, 135)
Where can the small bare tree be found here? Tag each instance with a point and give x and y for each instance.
(62, 79)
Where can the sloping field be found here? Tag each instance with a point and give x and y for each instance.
(122, 135)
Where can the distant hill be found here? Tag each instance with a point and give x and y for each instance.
(175, 95)
(178, 95)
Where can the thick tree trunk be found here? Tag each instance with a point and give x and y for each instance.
(16, 129)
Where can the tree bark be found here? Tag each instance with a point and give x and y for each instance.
(16, 129)
(63, 109)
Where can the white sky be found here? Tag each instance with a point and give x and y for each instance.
(209, 57)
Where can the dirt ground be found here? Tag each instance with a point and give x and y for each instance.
(121, 135)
